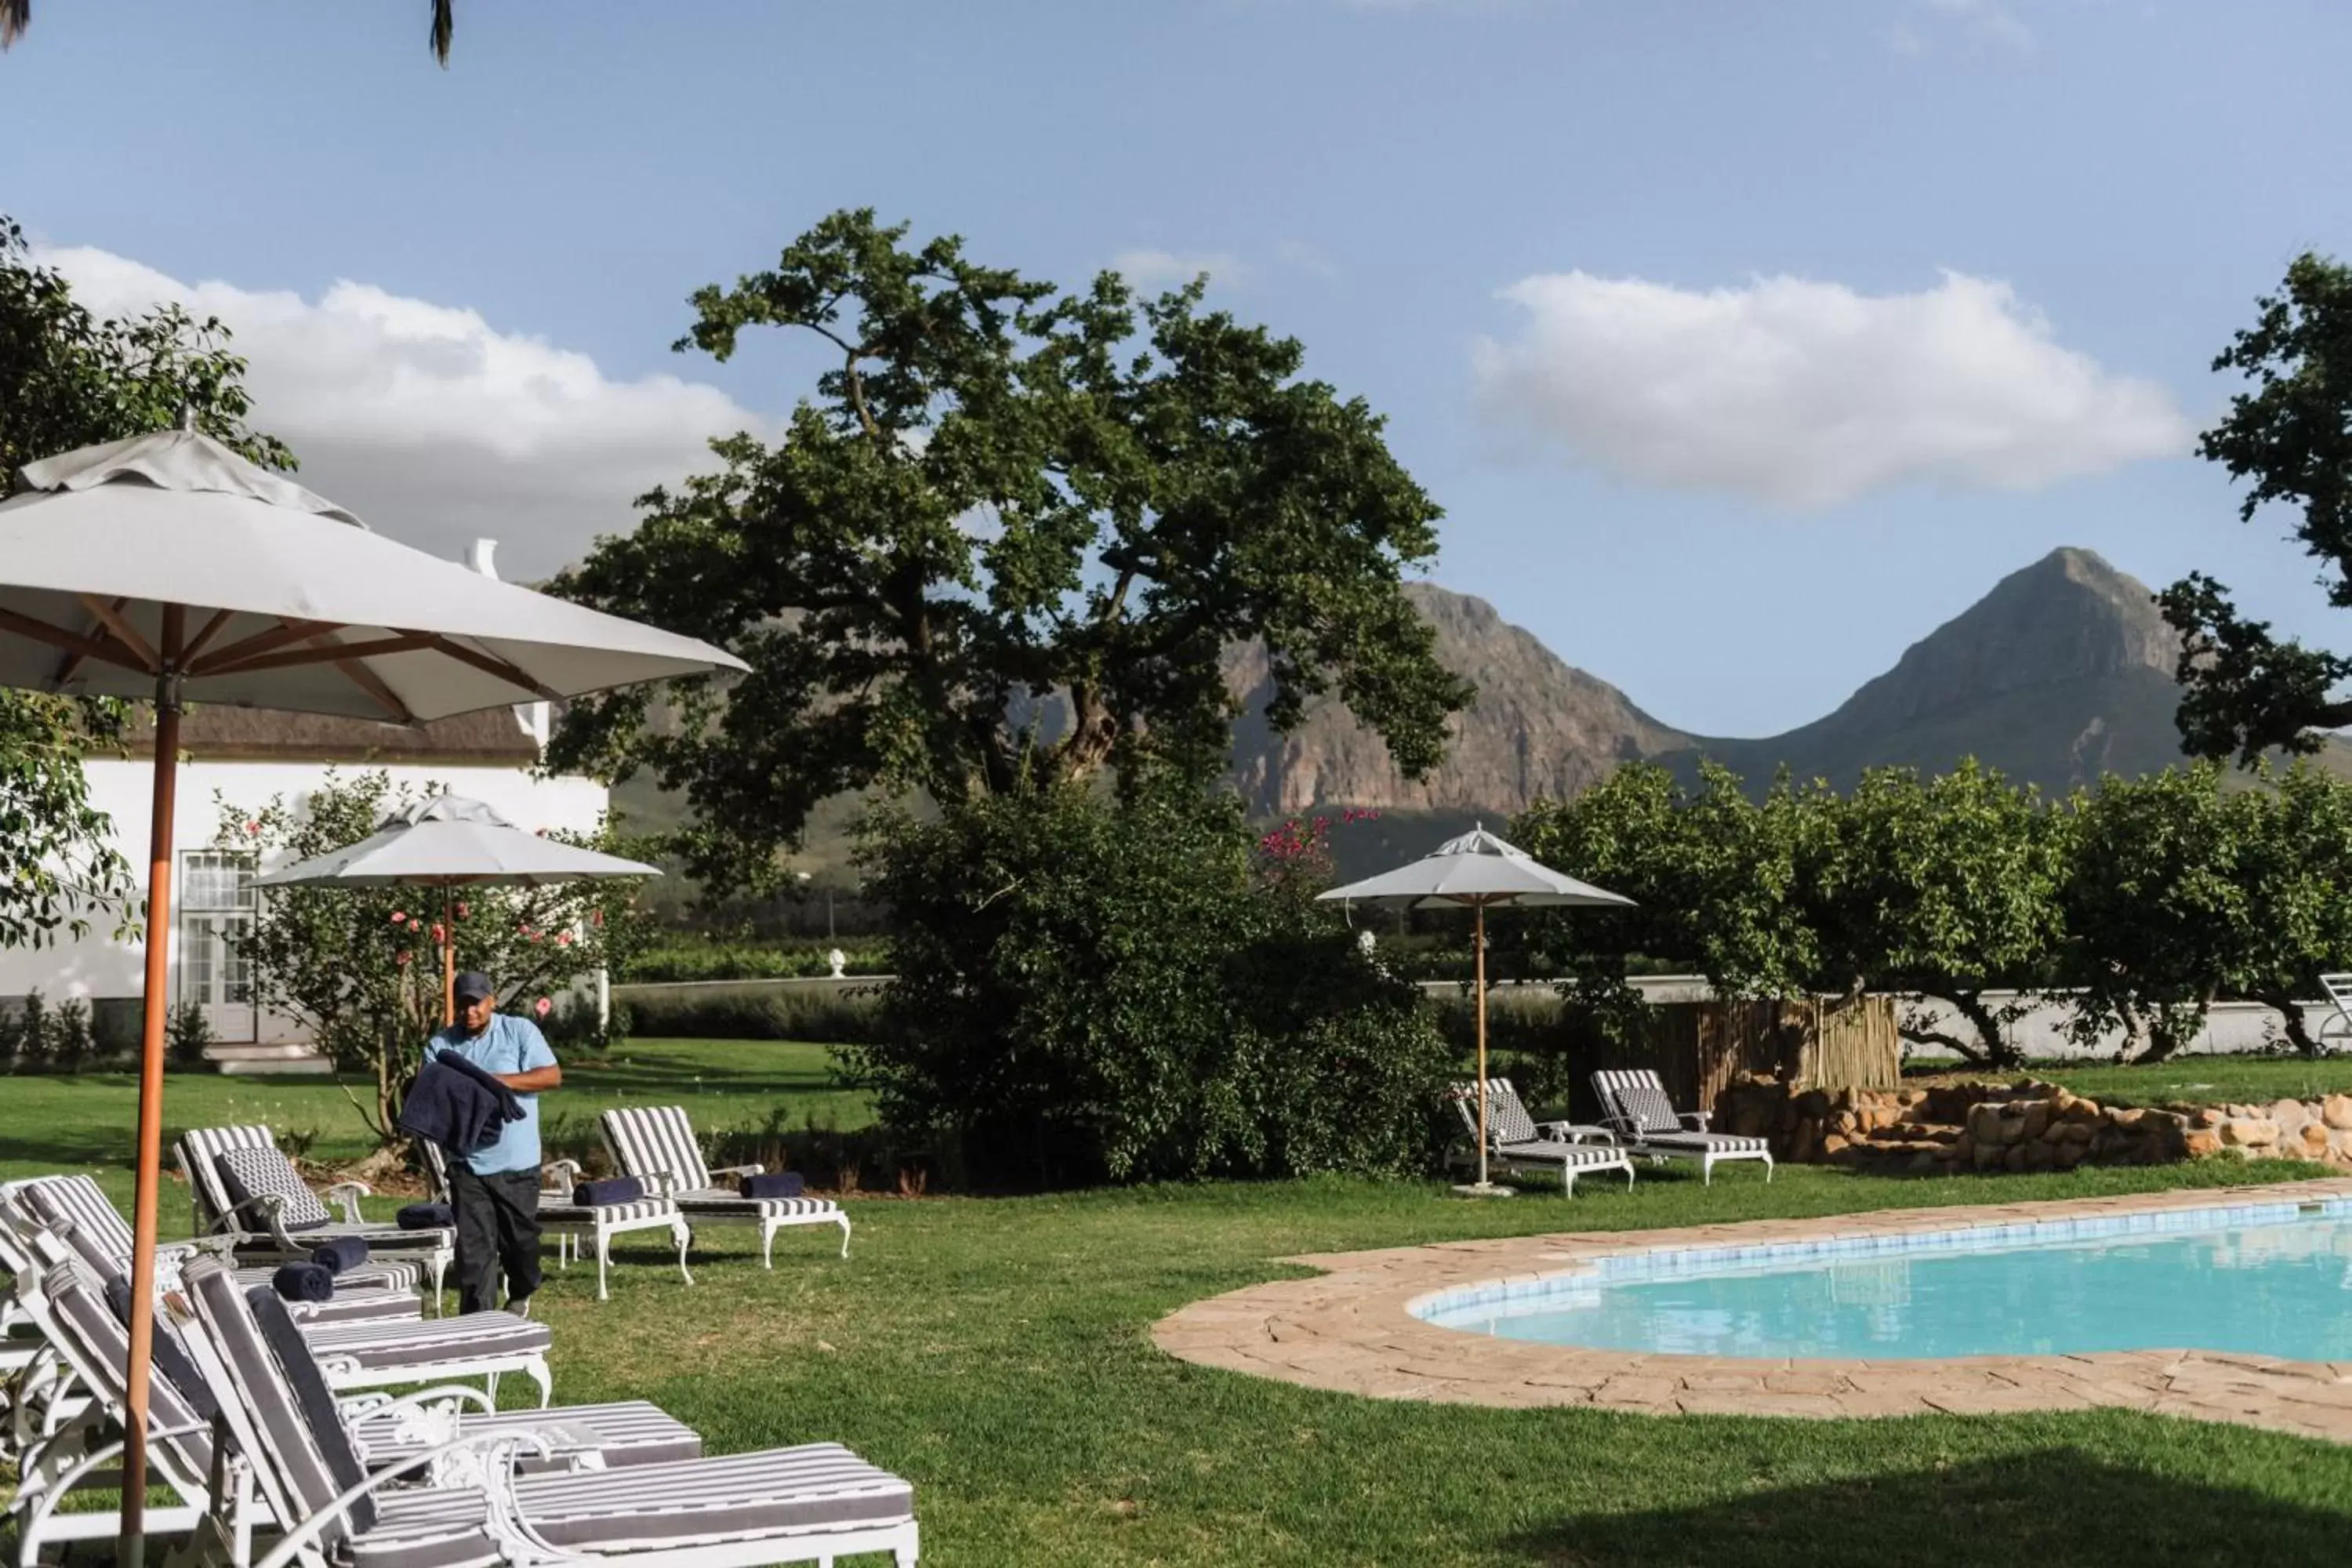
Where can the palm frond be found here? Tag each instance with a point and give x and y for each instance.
(445, 22)
(16, 16)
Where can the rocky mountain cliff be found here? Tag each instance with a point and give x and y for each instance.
(2063, 672)
(1539, 727)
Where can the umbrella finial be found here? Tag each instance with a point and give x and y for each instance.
(187, 420)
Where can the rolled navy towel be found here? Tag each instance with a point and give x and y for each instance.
(609, 1189)
(425, 1216)
(342, 1252)
(304, 1281)
(774, 1184)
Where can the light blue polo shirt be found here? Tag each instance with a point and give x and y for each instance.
(508, 1045)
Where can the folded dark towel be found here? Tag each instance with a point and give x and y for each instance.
(342, 1252)
(774, 1184)
(425, 1216)
(304, 1282)
(610, 1190)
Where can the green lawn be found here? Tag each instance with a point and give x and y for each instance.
(995, 1352)
(2201, 1080)
(53, 1123)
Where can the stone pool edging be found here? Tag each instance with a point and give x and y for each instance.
(1349, 1328)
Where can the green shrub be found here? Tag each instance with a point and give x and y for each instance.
(1090, 989)
(829, 1015)
(185, 1036)
(684, 958)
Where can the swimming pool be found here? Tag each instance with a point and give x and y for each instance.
(2269, 1278)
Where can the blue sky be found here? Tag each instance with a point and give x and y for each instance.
(1742, 342)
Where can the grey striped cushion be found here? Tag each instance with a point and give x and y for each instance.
(783, 1492)
(647, 1141)
(720, 1201)
(629, 1432)
(99, 1347)
(585, 1213)
(474, 1337)
(1640, 1098)
(1571, 1156)
(1706, 1143)
(249, 1173)
(99, 1229)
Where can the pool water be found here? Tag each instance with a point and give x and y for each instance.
(2274, 1279)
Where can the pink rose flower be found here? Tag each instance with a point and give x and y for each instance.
(564, 939)
(542, 1006)
(398, 918)
(438, 934)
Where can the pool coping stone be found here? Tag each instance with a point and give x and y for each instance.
(1351, 1329)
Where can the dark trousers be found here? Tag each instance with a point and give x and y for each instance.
(497, 1231)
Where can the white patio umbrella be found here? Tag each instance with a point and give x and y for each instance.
(167, 568)
(449, 842)
(1477, 871)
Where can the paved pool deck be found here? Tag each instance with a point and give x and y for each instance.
(1349, 1328)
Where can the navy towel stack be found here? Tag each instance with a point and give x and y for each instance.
(610, 1190)
(774, 1184)
(304, 1281)
(425, 1216)
(342, 1252)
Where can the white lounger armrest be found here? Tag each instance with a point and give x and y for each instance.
(346, 1195)
(751, 1170)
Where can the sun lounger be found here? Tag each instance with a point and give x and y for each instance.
(574, 1222)
(385, 1432)
(814, 1503)
(281, 1217)
(1634, 1106)
(1518, 1141)
(656, 1144)
(78, 1210)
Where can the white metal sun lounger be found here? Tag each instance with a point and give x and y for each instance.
(1518, 1141)
(78, 1209)
(815, 1503)
(1634, 1106)
(572, 1224)
(656, 1145)
(384, 1432)
(281, 1215)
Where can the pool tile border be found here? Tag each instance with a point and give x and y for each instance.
(1353, 1328)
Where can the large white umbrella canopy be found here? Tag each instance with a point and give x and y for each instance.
(450, 842)
(166, 567)
(1475, 871)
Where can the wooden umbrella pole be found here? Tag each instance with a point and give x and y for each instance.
(130, 1548)
(1479, 946)
(449, 957)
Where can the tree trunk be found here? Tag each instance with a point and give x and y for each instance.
(1999, 1051)
(2290, 1014)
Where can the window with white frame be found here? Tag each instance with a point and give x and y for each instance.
(216, 903)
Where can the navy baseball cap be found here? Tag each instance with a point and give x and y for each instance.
(473, 985)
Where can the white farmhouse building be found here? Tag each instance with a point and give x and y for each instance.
(244, 757)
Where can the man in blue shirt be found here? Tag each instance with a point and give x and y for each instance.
(495, 1189)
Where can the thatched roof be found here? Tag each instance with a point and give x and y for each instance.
(211, 732)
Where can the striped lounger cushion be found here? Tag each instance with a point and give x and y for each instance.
(1573, 1157)
(629, 1432)
(551, 1212)
(717, 1201)
(1706, 1143)
(809, 1490)
(474, 1337)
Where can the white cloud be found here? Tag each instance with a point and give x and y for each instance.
(1981, 21)
(1306, 258)
(1806, 394)
(1152, 269)
(434, 426)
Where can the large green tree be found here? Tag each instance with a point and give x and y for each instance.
(1001, 548)
(68, 379)
(2289, 437)
(1946, 888)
